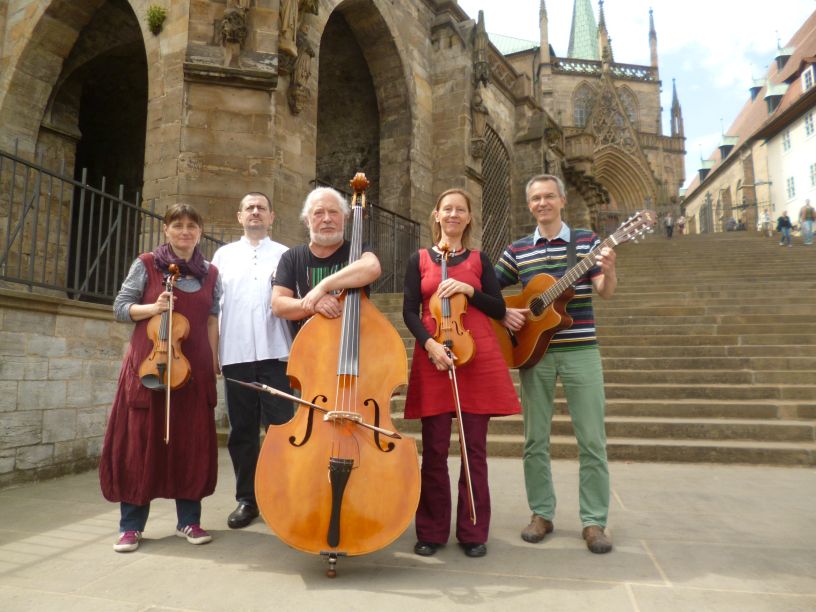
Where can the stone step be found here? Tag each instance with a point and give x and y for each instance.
(659, 428)
(680, 451)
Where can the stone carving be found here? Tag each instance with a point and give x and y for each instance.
(610, 125)
(291, 18)
(299, 94)
(233, 31)
(481, 65)
(479, 114)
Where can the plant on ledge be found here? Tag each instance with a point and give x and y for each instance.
(155, 18)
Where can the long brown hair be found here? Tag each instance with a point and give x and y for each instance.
(436, 228)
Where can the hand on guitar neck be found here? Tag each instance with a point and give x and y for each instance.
(515, 318)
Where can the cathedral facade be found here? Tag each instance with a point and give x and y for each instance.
(227, 96)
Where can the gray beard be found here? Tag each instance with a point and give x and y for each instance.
(326, 240)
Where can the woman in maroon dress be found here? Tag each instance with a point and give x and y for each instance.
(137, 465)
(485, 388)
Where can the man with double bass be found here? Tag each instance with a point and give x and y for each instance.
(571, 355)
(310, 275)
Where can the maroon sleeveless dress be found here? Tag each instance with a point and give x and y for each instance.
(484, 382)
(136, 464)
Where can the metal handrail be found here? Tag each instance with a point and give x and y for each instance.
(86, 257)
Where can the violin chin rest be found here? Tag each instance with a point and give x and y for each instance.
(151, 381)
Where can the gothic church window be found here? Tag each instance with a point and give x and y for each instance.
(582, 101)
(630, 105)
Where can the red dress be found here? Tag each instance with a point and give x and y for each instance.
(136, 465)
(484, 382)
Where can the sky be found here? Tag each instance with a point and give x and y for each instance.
(713, 48)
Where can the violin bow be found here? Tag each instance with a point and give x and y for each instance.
(462, 442)
(273, 391)
(167, 378)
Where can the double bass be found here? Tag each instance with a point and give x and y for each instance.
(337, 480)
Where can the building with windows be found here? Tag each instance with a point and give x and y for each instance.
(766, 160)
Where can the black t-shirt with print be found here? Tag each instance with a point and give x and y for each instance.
(299, 270)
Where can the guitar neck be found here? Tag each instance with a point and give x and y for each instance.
(576, 272)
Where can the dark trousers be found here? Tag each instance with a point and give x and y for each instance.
(248, 410)
(433, 516)
(134, 518)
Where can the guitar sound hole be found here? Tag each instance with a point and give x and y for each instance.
(537, 306)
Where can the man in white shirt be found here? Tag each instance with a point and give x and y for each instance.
(254, 345)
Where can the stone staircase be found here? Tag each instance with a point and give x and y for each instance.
(709, 351)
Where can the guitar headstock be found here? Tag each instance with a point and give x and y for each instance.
(635, 226)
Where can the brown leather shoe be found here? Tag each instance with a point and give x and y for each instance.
(537, 529)
(596, 540)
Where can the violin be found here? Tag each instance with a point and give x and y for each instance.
(337, 479)
(166, 361)
(448, 313)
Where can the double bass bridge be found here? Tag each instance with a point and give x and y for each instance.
(337, 415)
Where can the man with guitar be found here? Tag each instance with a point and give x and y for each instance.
(572, 354)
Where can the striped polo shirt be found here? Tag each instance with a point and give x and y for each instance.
(533, 255)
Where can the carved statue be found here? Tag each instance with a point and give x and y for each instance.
(479, 114)
(233, 29)
(299, 94)
(291, 18)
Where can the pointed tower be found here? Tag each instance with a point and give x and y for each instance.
(652, 40)
(545, 61)
(604, 42)
(676, 114)
(583, 42)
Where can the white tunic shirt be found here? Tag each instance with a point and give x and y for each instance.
(249, 330)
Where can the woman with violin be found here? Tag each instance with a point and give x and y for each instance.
(457, 369)
(160, 442)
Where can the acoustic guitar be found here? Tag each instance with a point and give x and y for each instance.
(547, 299)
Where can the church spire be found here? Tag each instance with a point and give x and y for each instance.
(676, 114)
(652, 39)
(604, 41)
(583, 42)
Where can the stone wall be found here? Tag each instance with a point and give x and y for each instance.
(59, 362)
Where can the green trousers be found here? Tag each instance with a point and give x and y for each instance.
(581, 376)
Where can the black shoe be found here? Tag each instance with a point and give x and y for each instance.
(426, 549)
(475, 550)
(242, 516)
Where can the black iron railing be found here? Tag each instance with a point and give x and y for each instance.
(69, 237)
(392, 237)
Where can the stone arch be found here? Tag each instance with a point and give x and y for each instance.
(371, 21)
(625, 179)
(583, 99)
(630, 104)
(39, 61)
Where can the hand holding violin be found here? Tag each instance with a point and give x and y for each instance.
(451, 286)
